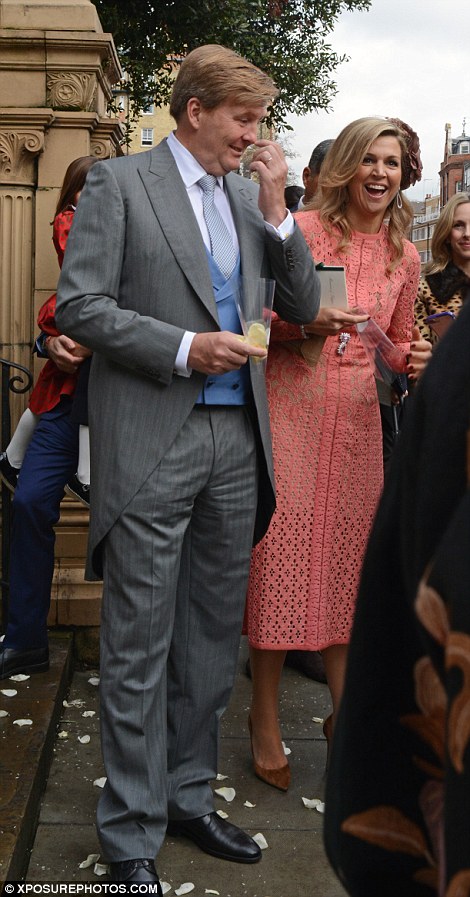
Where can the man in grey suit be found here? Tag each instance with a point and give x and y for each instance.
(181, 453)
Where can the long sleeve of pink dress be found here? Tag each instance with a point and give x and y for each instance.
(327, 444)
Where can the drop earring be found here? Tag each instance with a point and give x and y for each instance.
(399, 201)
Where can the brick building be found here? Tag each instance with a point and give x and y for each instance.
(454, 177)
(426, 213)
(455, 168)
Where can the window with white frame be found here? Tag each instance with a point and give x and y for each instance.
(147, 137)
(149, 108)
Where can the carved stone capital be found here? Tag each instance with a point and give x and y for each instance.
(107, 139)
(18, 149)
(71, 90)
(100, 149)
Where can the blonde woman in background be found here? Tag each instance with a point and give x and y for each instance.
(447, 279)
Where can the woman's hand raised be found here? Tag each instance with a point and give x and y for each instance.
(331, 321)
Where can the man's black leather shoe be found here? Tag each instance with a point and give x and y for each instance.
(8, 473)
(79, 490)
(14, 660)
(141, 871)
(218, 837)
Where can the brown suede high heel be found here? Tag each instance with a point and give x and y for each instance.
(278, 778)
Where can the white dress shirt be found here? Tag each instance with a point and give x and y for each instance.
(191, 171)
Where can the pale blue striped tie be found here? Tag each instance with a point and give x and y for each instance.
(222, 248)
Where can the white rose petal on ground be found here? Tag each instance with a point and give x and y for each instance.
(287, 750)
(317, 719)
(210, 891)
(94, 680)
(3, 712)
(62, 735)
(22, 722)
(314, 804)
(260, 840)
(84, 739)
(220, 777)
(249, 804)
(20, 677)
(100, 869)
(90, 860)
(228, 794)
(100, 783)
(222, 814)
(165, 886)
(89, 713)
(9, 692)
(77, 703)
(185, 888)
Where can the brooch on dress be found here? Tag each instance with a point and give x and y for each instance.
(343, 342)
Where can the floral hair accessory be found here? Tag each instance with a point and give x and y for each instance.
(412, 165)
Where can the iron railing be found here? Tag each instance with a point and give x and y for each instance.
(18, 383)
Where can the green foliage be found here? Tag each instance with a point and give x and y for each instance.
(286, 38)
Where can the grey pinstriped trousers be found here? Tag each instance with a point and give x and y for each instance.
(175, 570)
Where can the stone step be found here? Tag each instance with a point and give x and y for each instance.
(26, 753)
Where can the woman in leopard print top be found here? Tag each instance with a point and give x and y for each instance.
(446, 283)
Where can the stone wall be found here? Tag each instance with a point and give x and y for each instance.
(57, 68)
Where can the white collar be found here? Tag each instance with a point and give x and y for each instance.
(188, 166)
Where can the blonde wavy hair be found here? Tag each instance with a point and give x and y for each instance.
(440, 245)
(340, 166)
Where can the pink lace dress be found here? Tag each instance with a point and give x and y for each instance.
(327, 444)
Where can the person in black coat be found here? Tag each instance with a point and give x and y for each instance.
(398, 787)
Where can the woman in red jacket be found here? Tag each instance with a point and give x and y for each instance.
(52, 382)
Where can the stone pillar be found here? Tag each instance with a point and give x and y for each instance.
(19, 148)
(57, 68)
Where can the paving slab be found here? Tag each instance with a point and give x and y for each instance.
(26, 751)
(293, 864)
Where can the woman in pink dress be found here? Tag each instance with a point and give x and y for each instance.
(325, 419)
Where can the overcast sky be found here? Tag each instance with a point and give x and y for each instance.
(408, 59)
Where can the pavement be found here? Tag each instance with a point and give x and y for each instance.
(50, 772)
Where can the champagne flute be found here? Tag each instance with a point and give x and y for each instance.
(254, 301)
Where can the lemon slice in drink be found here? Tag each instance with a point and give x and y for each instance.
(257, 335)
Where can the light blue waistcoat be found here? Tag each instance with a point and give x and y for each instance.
(234, 387)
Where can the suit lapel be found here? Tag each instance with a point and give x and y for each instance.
(173, 209)
(246, 217)
(170, 203)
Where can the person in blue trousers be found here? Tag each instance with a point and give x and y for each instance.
(50, 461)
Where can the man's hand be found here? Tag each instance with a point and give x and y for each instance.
(66, 353)
(269, 163)
(217, 353)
